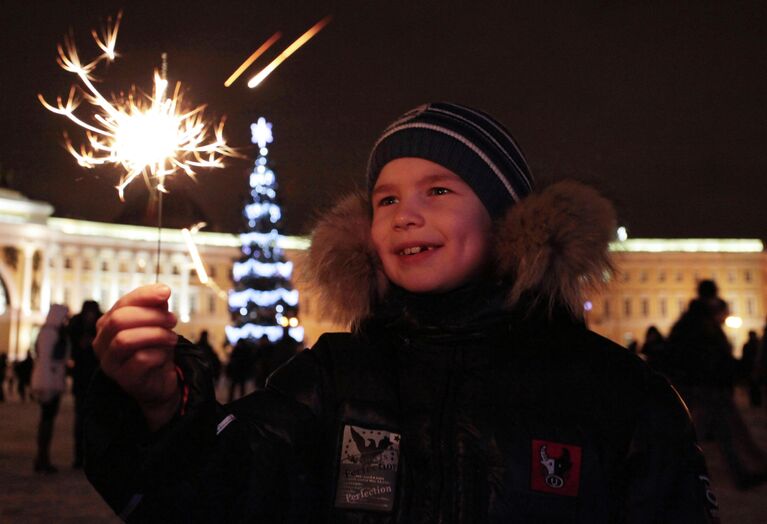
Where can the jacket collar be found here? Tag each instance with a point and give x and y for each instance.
(551, 249)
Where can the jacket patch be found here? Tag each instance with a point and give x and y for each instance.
(556, 468)
(367, 472)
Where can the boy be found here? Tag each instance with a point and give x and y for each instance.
(468, 391)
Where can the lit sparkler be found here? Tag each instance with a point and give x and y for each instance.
(153, 136)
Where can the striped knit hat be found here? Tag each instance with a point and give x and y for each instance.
(466, 141)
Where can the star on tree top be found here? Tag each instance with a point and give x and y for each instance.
(261, 132)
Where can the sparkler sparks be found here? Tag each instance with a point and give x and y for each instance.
(252, 58)
(199, 266)
(153, 136)
(292, 48)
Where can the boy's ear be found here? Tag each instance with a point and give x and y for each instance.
(341, 267)
(553, 245)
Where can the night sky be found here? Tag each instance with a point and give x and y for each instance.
(660, 105)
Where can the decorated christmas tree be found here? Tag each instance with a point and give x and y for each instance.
(263, 301)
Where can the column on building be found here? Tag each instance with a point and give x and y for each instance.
(45, 284)
(184, 306)
(138, 269)
(114, 276)
(96, 275)
(26, 282)
(78, 260)
(58, 275)
(165, 277)
(24, 321)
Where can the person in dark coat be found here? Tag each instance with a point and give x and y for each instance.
(22, 371)
(468, 390)
(749, 368)
(654, 349)
(211, 356)
(760, 368)
(3, 370)
(705, 373)
(82, 331)
(240, 367)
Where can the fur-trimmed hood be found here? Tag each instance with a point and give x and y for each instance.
(552, 248)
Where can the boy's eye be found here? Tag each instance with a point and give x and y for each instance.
(387, 201)
(439, 191)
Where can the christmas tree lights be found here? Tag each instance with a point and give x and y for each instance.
(263, 301)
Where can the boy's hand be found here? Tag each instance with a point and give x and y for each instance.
(134, 344)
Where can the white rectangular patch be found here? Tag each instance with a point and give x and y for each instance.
(367, 472)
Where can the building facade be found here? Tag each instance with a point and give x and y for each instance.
(47, 260)
(655, 280)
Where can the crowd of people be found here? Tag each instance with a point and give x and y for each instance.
(698, 360)
(15, 377)
(252, 361)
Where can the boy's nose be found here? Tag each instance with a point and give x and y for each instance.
(407, 218)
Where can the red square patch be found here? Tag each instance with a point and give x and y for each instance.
(555, 468)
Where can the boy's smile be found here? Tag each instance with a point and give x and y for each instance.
(429, 229)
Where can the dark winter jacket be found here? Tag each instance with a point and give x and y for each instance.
(700, 350)
(487, 404)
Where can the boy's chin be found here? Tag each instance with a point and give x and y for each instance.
(430, 288)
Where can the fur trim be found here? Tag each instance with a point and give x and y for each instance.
(554, 246)
(551, 246)
(341, 267)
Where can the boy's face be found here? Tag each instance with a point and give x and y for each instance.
(430, 229)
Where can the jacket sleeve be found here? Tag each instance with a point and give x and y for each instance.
(212, 464)
(667, 477)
